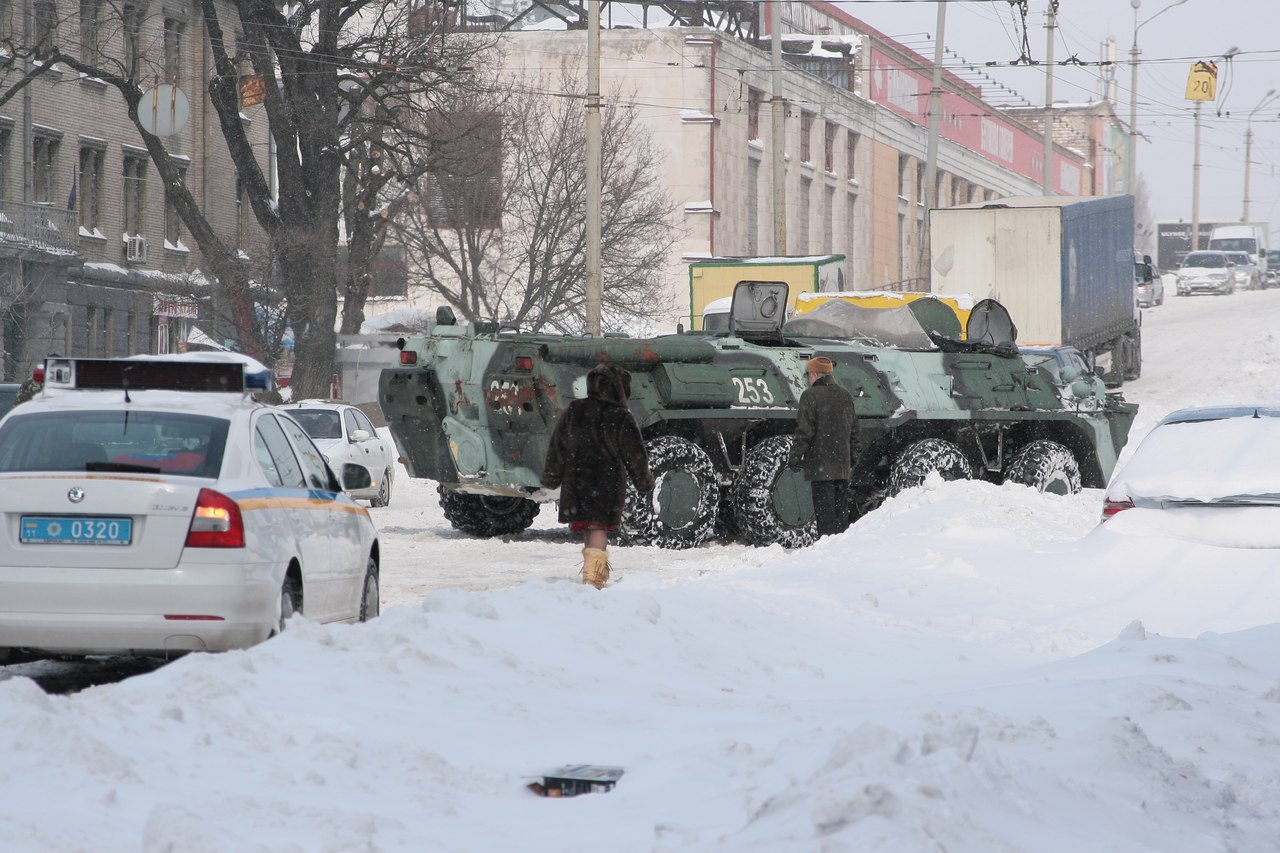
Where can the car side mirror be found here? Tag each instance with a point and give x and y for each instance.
(359, 435)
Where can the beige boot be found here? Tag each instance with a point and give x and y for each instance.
(595, 566)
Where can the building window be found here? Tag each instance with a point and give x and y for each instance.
(904, 162)
(851, 155)
(44, 163)
(806, 131)
(754, 98)
(465, 189)
(6, 19)
(828, 221)
(802, 237)
(174, 30)
(90, 29)
(753, 206)
(4, 161)
(88, 195)
(829, 148)
(135, 193)
(920, 188)
(44, 20)
(131, 24)
(172, 221)
(389, 274)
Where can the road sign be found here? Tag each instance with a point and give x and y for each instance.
(1202, 82)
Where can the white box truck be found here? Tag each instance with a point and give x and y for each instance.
(1062, 266)
(1248, 237)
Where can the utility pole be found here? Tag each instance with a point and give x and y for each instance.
(779, 131)
(594, 290)
(1048, 99)
(928, 192)
(1195, 187)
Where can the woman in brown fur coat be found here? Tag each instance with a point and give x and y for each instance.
(595, 447)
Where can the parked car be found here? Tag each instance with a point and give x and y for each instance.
(1248, 277)
(153, 507)
(1148, 283)
(1206, 272)
(1272, 277)
(1208, 474)
(346, 436)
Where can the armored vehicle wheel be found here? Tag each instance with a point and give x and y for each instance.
(486, 515)
(1045, 466)
(922, 458)
(771, 502)
(682, 510)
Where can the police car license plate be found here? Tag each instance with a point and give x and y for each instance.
(64, 530)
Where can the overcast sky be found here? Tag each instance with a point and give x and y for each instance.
(980, 31)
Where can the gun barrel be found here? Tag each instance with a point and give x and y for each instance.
(630, 353)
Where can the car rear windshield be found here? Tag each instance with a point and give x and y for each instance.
(146, 442)
(319, 423)
(1206, 261)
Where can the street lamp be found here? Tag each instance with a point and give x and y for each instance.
(1132, 177)
(1268, 98)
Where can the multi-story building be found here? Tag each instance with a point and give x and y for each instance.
(93, 260)
(856, 136)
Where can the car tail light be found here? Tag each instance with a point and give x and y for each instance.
(408, 357)
(524, 362)
(1110, 507)
(37, 375)
(216, 523)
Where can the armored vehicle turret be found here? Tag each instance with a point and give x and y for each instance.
(472, 406)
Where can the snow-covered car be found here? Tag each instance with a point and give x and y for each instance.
(346, 437)
(1206, 272)
(155, 507)
(1206, 474)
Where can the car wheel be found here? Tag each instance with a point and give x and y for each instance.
(1045, 466)
(370, 599)
(290, 602)
(486, 515)
(383, 498)
(681, 511)
(925, 457)
(773, 503)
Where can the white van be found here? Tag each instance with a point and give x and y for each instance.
(1248, 237)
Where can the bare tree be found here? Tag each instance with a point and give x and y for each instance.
(497, 228)
(324, 62)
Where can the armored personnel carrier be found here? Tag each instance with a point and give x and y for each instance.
(472, 406)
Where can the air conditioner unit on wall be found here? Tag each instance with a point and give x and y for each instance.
(135, 248)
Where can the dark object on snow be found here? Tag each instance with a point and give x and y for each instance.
(574, 779)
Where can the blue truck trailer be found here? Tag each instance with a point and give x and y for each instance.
(1063, 266)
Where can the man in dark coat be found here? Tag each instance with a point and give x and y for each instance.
(595, 447)
(822, 446)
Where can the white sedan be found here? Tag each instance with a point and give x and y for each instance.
(154, 507)
(346, 437)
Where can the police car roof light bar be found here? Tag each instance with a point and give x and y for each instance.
(109, 374)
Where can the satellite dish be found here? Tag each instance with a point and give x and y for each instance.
(164, 110)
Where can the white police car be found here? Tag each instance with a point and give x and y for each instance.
(152, 506)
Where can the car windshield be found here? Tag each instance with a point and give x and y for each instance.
(1204, 261)
(8, 396)
(1239, 258)
(147, 442)
(319, 423)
